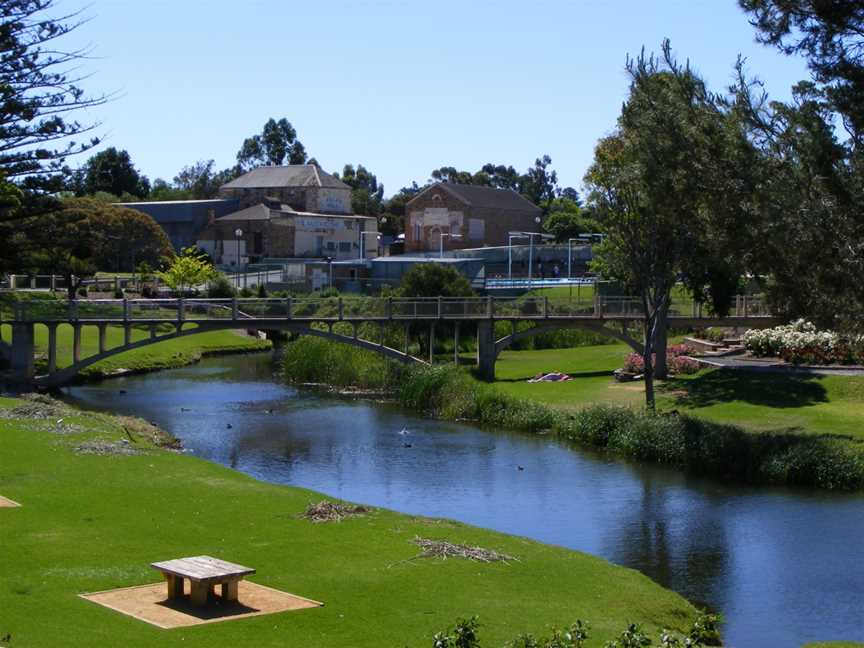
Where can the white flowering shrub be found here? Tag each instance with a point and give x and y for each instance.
(800, 343)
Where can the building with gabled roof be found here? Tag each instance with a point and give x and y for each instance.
(304, 187)
(468, 216)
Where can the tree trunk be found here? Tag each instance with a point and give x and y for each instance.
(661, 335)
(647, 360)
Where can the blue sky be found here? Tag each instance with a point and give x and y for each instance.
(401, 87)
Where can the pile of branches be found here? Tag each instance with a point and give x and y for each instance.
(443, 549)
(325, 511)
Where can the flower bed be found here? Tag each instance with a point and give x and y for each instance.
(801, 343)
(677, 361)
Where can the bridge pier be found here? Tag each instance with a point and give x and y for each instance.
(76, 343)
(486, 353)
(432, 343)
(21, 358)
(102, 334)
(52, 348)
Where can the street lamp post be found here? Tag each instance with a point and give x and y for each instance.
(441, 242)
(510, 237)
(237, 234)
(363, 244)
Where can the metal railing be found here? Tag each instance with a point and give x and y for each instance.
(360, 308)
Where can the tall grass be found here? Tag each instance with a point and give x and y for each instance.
(449, 392)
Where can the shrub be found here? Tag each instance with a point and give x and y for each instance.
(246, 292)
(262, 291)
(800, 343)
(221, 288)
(714, 334)
(676, 361)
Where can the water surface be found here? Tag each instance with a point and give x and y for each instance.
(784, 566)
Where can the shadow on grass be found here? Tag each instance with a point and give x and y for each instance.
(756, 388)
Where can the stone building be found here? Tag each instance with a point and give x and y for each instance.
(303, 187)
(277, 231)
(482, 216)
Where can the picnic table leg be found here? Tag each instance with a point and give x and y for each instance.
(229, 591)
(175, 586)
(199, 593)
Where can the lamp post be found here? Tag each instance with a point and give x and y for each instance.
(510, 237)
(363, 236)
(531, 250)
(330, 270)
(237, 234)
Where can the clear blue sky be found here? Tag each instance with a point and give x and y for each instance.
(401, 87)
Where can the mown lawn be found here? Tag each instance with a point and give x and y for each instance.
(91, 522)
(757, 401)
(163, 355)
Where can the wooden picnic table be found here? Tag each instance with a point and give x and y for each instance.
(204, 573)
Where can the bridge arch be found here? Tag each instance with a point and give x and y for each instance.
(64, 375)
(505, 342)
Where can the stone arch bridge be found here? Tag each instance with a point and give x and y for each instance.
(336, 319)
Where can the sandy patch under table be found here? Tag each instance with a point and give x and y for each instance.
(150, 603)
(5, 502)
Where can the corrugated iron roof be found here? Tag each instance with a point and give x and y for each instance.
(290, 175)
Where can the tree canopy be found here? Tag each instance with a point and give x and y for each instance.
(111, 171)
(434, 280)
(367, 194)
(39, 89)
(277, 144)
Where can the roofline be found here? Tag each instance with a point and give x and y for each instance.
(443, 185)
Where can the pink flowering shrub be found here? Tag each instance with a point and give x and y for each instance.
(676, 361)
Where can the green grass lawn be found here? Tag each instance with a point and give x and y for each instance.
(756, 401)
(163, 355)
(590, 366)
(91, 523)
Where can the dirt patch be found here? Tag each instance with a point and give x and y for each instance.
(443, 549)
(5, 502)
(325, 511)
(149, 603)
(107, 448)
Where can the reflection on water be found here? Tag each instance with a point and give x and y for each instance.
(783, 566)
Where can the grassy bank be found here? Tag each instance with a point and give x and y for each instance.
(93, 522)
(579, 410)
(164, 355)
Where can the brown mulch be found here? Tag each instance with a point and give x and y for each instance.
(148, 603)
(443, 550)
(325, 511)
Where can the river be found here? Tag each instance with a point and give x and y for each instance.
(783, 566)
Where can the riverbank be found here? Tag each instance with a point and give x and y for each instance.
(168, 354)
(595, 412)
(101, 499)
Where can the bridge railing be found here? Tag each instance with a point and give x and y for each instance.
(337, 308)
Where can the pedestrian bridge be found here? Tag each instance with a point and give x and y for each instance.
(339, 319)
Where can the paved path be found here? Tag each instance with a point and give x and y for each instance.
(748, 364)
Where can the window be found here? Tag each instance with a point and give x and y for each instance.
(418, 232)
(344, 246)
(257, 242)
(331, 245)
(476, 229)
(436, 197)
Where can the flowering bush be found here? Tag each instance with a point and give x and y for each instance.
(800, 343)
(676, 361)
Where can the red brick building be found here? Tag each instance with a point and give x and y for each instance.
(481, 216)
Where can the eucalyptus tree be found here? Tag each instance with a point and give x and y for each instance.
(666, 190)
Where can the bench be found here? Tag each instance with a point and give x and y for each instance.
(204, 573)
